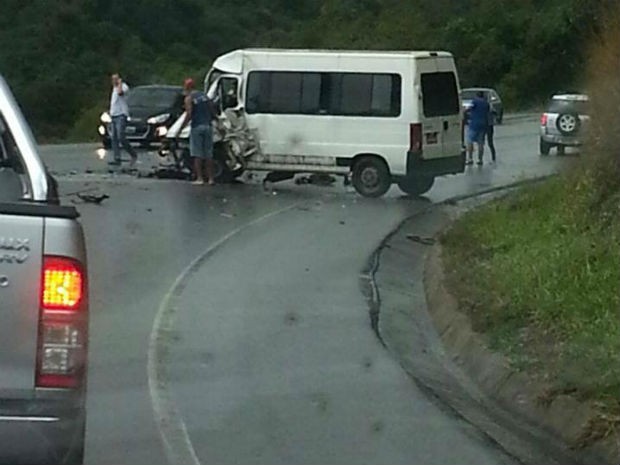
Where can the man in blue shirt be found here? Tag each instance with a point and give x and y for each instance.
(202, 112)
(476, 131)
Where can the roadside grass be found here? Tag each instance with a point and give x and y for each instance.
(539, 271)
(539, 274)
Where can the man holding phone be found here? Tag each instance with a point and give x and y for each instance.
(119, 112)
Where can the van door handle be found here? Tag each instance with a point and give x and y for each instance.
(446, 125)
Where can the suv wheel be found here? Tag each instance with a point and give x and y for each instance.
(545, 147)
(371, 177)
(568, 123)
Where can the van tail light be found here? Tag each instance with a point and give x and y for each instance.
(63, 324)
(415, 137)
(543, 119)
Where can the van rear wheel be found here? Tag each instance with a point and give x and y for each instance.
(371, 177)
(417, 184)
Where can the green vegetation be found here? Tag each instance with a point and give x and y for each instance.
(57, 54)
(539, 271)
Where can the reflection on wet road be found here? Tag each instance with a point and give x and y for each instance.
(269, 356)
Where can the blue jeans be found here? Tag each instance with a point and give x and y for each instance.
(201, 142)
(119, 138)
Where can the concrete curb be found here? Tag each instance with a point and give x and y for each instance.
(565, 417)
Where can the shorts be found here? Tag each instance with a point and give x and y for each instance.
(201, 142)
(476, 135)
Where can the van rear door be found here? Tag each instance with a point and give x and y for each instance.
(441, 109)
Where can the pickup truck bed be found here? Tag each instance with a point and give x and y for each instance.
(43, 307)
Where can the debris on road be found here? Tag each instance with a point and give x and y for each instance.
(318, 179)
(277, 176)
(422, 240)
(90, 198)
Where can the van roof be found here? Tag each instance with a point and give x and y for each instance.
(400, 53)
(232, 62)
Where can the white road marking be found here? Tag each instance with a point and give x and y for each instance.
(172, 428)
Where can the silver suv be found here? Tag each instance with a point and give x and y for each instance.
(43, 306)
(565, 123)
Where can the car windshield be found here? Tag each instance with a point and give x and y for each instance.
(470, 94)
(153, 97)
(568, 106)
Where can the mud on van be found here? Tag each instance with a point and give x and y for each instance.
(380, 117)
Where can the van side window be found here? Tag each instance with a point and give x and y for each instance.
(440, 94)
(11, 187)
(338, 94)
(283, 93)
(354, 94)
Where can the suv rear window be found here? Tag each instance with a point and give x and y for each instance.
(568, 106)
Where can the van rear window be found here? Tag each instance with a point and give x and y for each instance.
(440, 94)
(336, 94)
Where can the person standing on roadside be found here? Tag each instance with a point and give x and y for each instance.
(119, 112)
(477, 128)
(201, 111)
(491, 133)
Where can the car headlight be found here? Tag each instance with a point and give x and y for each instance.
(159, 119)
(105, 117)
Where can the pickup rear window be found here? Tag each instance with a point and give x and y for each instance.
(11, 168)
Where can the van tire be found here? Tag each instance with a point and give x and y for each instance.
(371, 176)
(416, 185)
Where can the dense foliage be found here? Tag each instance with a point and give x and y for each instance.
(57, 54)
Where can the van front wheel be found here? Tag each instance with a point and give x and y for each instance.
(416, 184)
(371, 177)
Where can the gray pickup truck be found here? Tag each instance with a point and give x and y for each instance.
(43, 306)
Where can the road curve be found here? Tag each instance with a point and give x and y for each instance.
(271, 357)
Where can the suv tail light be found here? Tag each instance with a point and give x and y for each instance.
(63, 326)
(415, 137)
(543, 119)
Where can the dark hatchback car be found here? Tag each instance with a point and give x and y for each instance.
(152, 110)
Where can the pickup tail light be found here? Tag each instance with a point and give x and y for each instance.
(63, 327)
(543, 119)
(415, 137)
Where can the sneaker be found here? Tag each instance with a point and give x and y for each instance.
(469, 162)
(479, 163)
(198, 182)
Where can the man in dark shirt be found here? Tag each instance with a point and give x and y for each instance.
(202, 112)
(476, 131)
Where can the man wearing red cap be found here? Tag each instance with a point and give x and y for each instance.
(201, 111)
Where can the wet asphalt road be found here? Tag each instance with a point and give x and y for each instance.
(262, 351)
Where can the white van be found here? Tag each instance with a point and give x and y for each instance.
(379, 116)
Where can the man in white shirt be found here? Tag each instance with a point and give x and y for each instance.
(119, 112)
